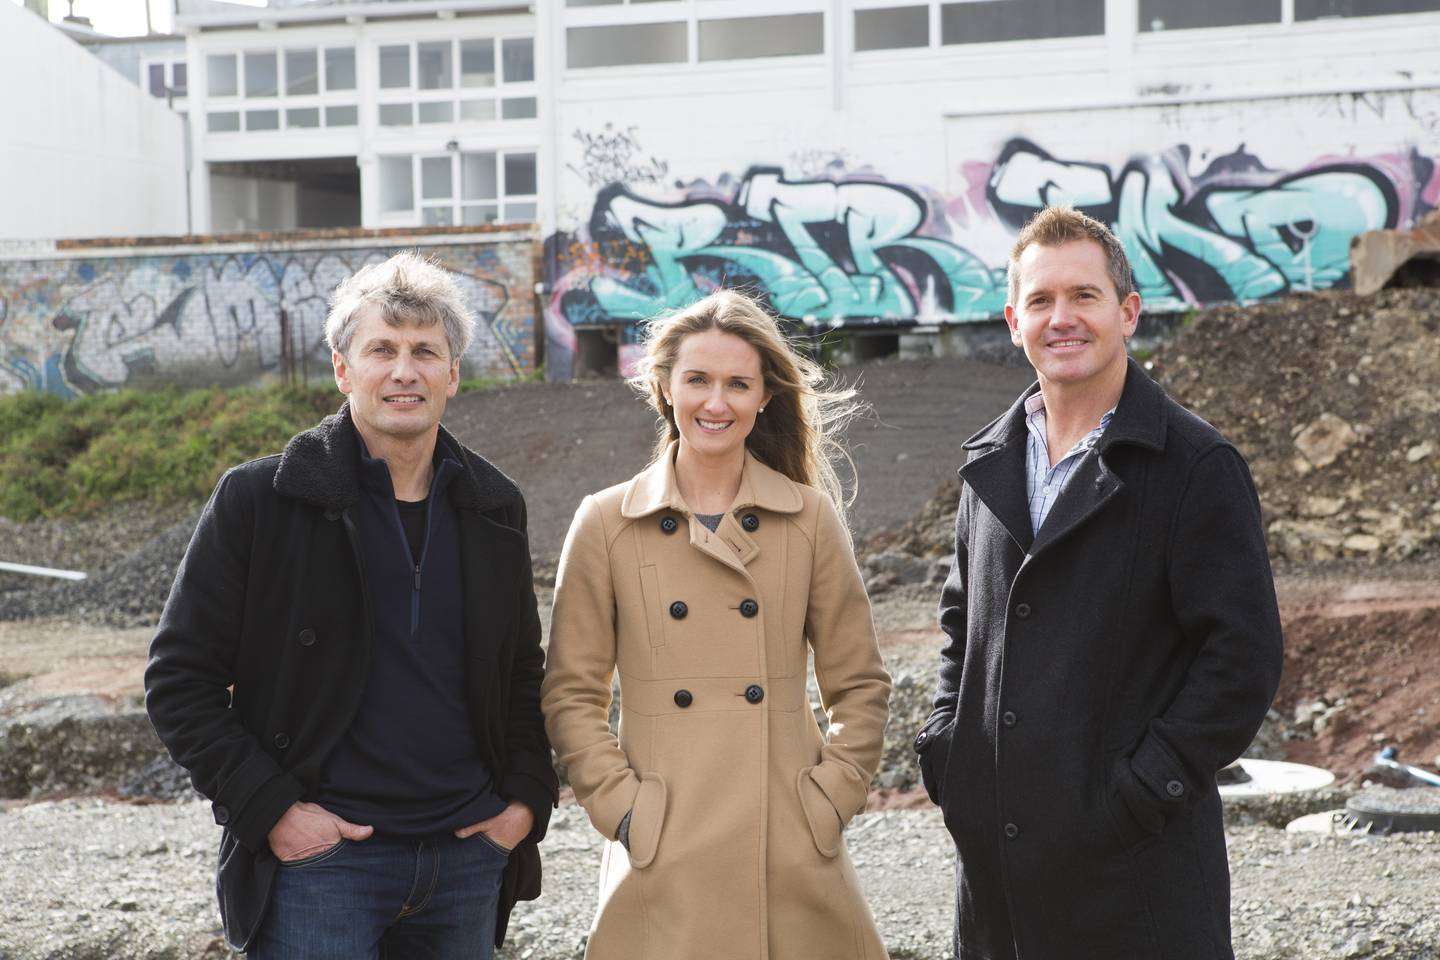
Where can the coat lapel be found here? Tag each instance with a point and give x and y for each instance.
(996, 472)
(1140, 421)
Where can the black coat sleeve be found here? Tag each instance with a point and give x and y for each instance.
(529, 775)
(1223, 596)
(192, 666)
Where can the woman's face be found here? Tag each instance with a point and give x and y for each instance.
(715, 392)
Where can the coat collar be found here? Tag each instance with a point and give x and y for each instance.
(996, 472)
(1139, 416)
(321, 466)
(655, 489)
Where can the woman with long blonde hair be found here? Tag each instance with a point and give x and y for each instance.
(708, 580)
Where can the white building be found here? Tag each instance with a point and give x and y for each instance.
(83, 152)
(861, 162)
(383, 114)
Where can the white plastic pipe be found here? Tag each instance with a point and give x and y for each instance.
(41, 571)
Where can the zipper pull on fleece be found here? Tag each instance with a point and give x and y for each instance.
(417, 578)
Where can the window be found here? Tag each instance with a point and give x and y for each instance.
(394, 66)
(518, 59)
(1321, 9)
(282, 89)
(156, 79)
(460, 188)
(744, 38)
(436, 71)
(221, 75)
(457, 80)
(340, 68)
(625, 45)
(261, 75)
(892, 28)
(179, 79)
(1186, 15)
(302, 73)
(395, 185)
(986, 21)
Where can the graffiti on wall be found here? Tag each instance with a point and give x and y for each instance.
(848, 248)
(79, 326)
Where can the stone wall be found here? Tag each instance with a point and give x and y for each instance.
(82, 316)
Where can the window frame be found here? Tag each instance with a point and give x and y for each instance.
(324, 100)
(457, 94)
(455, 204)
(691, 13)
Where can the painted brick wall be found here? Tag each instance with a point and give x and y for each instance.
(199, 311)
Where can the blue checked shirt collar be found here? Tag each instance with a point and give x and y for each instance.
(1044, 482)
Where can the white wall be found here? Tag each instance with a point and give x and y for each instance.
(83, 151)
(887, 110)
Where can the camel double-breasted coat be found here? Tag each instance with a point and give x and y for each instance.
(738, 800)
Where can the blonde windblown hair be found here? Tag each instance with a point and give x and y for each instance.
(799, 432)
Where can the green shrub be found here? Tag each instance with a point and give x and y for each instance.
(70, 458)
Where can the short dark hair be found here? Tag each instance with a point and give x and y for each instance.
(1057, 225)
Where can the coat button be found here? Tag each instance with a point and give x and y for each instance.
(307, 637)
(668, 525)
(754, 693)
(748, 608)
(282, 740)
(1022, 610)
(678, 609)
(222, 815)
(1175, 788)
(1011, 831)
(750, 522)
(683, 698)
(1008, 718)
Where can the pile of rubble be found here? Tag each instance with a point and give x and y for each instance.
(1335, 401)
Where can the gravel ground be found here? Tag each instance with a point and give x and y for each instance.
(87, 879)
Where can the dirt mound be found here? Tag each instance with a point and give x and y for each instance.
(1353, 685)
(1335, 401)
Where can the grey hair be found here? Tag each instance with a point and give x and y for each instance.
(408, 288)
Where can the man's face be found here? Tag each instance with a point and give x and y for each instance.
(397, 378)
(1067, 316)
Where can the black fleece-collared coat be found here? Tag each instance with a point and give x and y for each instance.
(271, 598)
(1095, 678)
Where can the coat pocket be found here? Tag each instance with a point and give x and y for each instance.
(647, 820)
(650, 589)
(820, 814)
(1135, 812)
(934, 759)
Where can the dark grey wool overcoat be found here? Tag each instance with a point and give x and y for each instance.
(271, 597)
(1095, 678)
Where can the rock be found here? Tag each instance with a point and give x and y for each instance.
(1302, 540)
(1325, 439)
(1362, 543)
(1321, 506)
(939, 570)
(1419, 452)
(903, 567)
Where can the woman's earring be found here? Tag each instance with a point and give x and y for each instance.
(762, 409)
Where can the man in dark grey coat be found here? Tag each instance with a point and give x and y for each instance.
(349, 663)
(1113, 638)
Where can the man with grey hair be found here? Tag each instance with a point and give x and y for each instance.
(1112, 638)
(349, 662)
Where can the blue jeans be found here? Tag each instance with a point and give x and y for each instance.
(385, 899)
